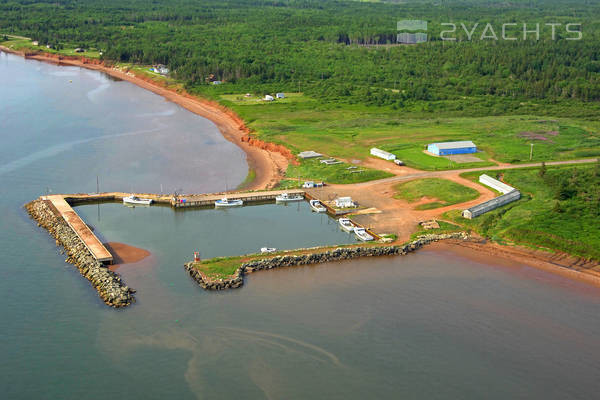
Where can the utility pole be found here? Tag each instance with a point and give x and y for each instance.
(531, 152)
(97, 184)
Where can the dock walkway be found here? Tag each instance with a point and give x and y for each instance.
(93, 244)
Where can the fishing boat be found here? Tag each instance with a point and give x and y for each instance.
(268, 250)
(286, 198)
(346, 224)
(317, 206)
(225, 202)
(136, 200)
(362, 234)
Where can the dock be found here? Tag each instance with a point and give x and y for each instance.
(93, 244)
(203, 200)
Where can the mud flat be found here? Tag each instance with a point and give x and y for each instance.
(312, 257)
(109, 285)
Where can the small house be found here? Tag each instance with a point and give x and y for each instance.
(79, 50)
(247, 95)
(451, 148)
(268, 97)
(35, 43)
(280, 96)
(382, 154)
(344, 202)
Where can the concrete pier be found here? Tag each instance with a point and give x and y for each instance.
(96, 248)
(201, 200)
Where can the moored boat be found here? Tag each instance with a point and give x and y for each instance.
(346, 224)
(362, 234)
(136, 200)
(316, 206)
(225, 202)
(286, 198)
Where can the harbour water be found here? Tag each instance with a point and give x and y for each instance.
(428, 325)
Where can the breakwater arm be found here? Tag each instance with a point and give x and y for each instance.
(109, 285)
(317, 257)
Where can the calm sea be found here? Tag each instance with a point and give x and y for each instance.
(430, 325)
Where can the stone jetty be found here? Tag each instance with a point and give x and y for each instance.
(109, 285)
(318, 257)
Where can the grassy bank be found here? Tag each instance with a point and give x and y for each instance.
(314, 170)
(444, 192)
(559, 210)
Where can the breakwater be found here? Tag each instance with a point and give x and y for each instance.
(317, 257)
(109, 285)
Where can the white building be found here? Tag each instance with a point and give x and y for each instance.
(344, 202)
(309, 154)
(382, 154)
(495, 184)
(268, 97)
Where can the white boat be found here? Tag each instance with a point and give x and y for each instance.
(268, 250)
(317, 206)
(286, 198)
(225, 202)
(362, 234)
(136, 200)
(346, 224)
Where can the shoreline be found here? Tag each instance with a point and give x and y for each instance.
(559, 264)
(268, 161)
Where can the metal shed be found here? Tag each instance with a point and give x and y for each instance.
(492, 204)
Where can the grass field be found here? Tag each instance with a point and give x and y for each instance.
(338, 173)
(349, 131)
(542, 218)
(444, 191)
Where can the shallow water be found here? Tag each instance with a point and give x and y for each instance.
(427, 325)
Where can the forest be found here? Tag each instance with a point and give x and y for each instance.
(337, 51)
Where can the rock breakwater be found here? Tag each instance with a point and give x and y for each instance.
(109, 285)
(337, 254)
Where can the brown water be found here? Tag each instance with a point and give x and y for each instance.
(431, 325)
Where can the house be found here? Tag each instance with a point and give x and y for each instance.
(160, 69)
(79, 50)
(450, 148)
(280, 96)
(35, 43)
(344, 202)
(309, 154)
(268, 97)
(247, 95)
(382, 154)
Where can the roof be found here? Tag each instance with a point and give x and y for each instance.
(455, 145)
(309, 154)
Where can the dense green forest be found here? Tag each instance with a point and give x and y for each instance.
(334, 50)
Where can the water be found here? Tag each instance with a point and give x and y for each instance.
(428, 325)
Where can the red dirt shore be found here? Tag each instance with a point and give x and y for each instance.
(560, 264)
(125, 254)
(267, 160)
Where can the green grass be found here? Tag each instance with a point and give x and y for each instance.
(350, 130)
(539, 219)
(240, 99)
(219, 268)
(445, 191)
(339, 173)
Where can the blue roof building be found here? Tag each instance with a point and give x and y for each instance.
(450, 148)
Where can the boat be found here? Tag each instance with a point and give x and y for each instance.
(346, 224)
(225, 202)
(136, 200)
(268, 250)
(362, 234)
(286, 198)
(317, 206)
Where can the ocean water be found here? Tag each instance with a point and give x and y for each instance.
(430, 325)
